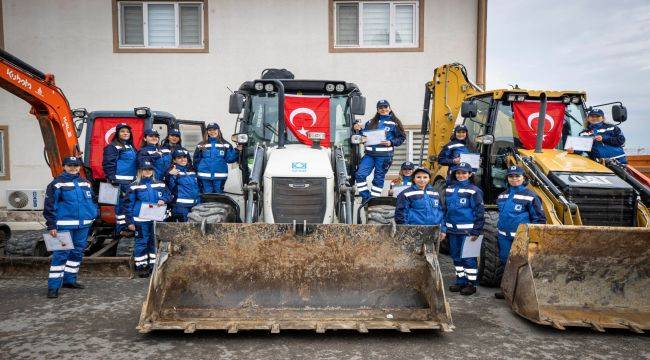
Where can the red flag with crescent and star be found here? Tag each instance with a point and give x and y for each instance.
(304, 114)
(526, 115)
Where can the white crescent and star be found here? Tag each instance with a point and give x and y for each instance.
(303, 110)
(535, 115)
(107, 136)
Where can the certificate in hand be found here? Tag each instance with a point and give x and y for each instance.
(108, 194)
(62, 241)
(579, 143)
(471, 248)
(374, 137)
(153, 212)
(474, 160)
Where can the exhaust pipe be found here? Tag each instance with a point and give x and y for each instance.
(540, 123)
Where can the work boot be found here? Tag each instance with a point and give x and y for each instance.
(143, 272)
(499, 295)
(468, 290)
(455, 288)
(74, 285)
(52, 293)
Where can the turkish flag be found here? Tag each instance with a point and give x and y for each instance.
(103, 131)
(304, 114)
(526, 118)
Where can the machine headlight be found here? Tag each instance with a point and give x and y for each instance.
(330, 87)
(575, 100)
(239, 138)
(356, 139)
(521, 97)
(259, 86)
(268, 87)
(512, 97)
(141, 111)
(80, 113)
(313, 135)
(340, 87)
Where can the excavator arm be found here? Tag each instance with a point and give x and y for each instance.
(49, 105)
(445, 92)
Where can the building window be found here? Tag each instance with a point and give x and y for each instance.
(160, 26)
(384, 25)
(4, 152)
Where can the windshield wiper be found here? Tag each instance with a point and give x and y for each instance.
(271, 128)
(566, 113)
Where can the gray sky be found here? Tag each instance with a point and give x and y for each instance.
(599, 46)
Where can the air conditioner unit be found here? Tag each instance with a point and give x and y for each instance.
(25, 199)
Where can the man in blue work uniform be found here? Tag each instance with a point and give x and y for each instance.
(464, 219)
(69, 207)
(517, 205)
(378, 157)
(608, 139)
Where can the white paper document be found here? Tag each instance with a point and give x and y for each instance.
(108, 194)
(471, 248)
(579, 143)
(398, 189)
(474, 160)
(374, 137)
(62, 241)
(153, 212)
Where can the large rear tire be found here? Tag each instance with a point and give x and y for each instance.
(25, 243)
(213, 213)
(125, 247)
(490, 270)
(380, 214)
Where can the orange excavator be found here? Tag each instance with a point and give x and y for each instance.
(61, 128)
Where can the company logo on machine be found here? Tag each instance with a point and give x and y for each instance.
(299, 166)
(590, 179)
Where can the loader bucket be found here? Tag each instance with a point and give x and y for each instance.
(589, 276)
(277, 276)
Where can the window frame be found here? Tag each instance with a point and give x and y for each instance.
(118, 47)
(4, 129)
(417, 46)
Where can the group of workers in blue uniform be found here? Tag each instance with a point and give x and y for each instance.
(460, 212)
(156, 175)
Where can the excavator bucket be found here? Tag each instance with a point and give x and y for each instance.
(281, 276)
(589, 276)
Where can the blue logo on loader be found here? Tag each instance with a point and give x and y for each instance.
(298, 166)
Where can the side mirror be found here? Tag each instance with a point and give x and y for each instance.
(619, 113)
(468, 109)
(358, 105)
(236, 103)
(485, 139)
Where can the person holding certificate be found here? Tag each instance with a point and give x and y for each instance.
(383, 133)
(464, 219)
(404, 180)
(69, 207)
(144, 193)
(458, 147)
(608, 139)
(517, 205)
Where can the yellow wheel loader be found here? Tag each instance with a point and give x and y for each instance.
(287, 254)
(590, 264)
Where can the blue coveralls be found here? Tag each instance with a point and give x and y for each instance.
(168, 149)
(420, 207)
(148, 192)
(160, 160)
(378, 157)
(517, 205)
(184, 188)
(452, 150)
(120, 167)
(464, 217)
(611, 147)
(69, 206)
(211, 161)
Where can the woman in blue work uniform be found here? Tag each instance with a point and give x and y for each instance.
(211, 160)
(120, 166)
(464, 219)
(378, 157)
(405, 178)
(152, 153)
(517, 205)
(69, 206)
(144, 190)
(608, 139)
(183, 185)
(420, 204)
(172, 143)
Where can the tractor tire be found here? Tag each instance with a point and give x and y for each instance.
(125, 247)
(490, 270)
(439, 186)
(212, 213)
(25, 243)
(380, 214)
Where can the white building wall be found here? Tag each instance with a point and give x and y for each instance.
(73, 39)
